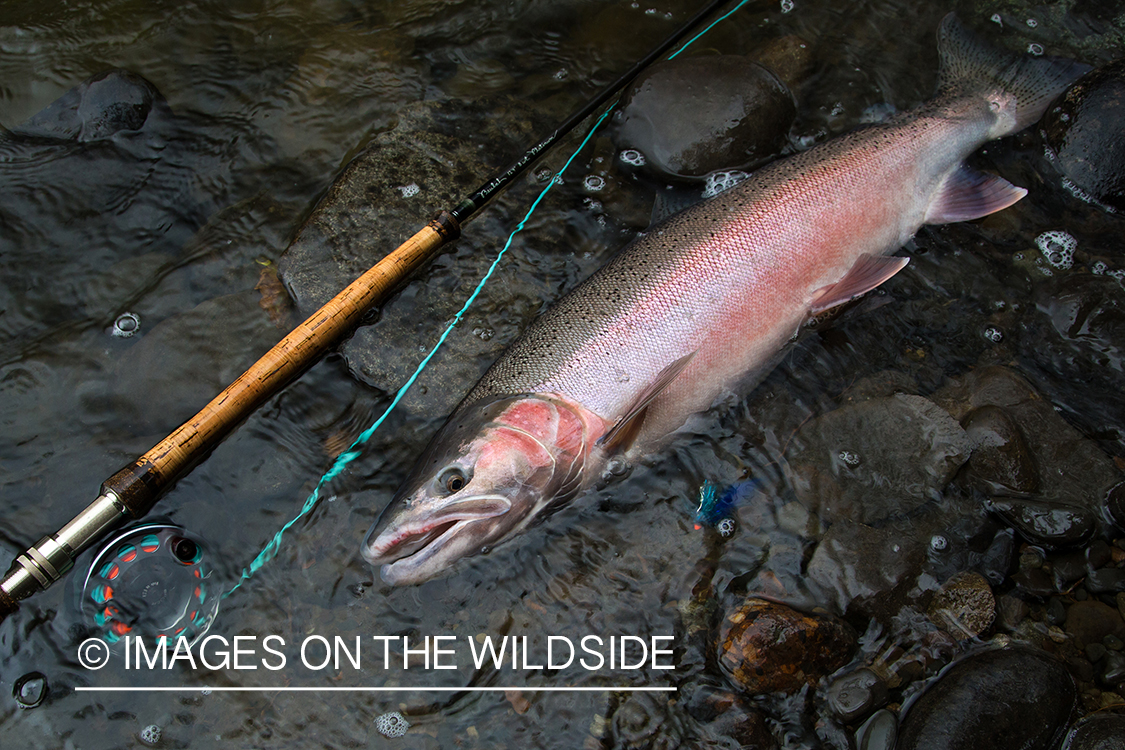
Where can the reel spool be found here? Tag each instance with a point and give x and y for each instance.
(150, 581)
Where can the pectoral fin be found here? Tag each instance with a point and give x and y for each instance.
(622, 434)
(868, 272)
(967, 194)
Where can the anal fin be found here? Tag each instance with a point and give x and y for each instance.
(868, 272)
(967, 194)
(622, 434)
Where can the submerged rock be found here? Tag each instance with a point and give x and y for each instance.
(856, 694)
(766, 647)
(1076, 335)
(876, 459)
(1073, 470)
(385, 195)
(1115, 504)
(1090, 621)
(964, 606)
(1083, 128)
(1017, 698)
(97, 108)
(106, 168)
(877, 733)
(1048, 524)
(694, 115)
(1001, 462)
(647, 721)
(1102, 731)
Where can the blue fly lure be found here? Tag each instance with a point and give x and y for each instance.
(716, 510)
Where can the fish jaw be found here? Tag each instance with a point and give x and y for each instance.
(489, 473)
(413, 544)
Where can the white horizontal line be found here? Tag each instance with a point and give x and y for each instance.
(290, 689)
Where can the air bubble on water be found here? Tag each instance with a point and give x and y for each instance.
(392, 724)
(408, 191)
(150, 735)
(561, 74)
(30, 690)
(849, 458)
(938, 543)
(632, 157)
(1098, 268)
(786, 6)
(127, 324)
(543, 175)
(1057, 248)
(1032, 23)
(1064, 117)
(1035, 49)
(994, 334)
(484, 334)
(997, 19)
(1081, 194)
(726, 527)
(837, 109)
(717, 182)
(594, 183)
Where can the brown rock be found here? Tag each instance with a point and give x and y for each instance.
(766, 647)
(964, 607)
(1090, 621)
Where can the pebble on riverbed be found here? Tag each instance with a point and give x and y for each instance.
(765, 647)
(964, 606)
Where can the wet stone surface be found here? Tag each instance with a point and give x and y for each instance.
(1079, 330)
(1001, 462)
(694, 115)
(1008, 698)
(876, 459)
(964, 606)
(1082, 128)
(1096, 732)
(1049, 524)
(855, 695)
(766, 647)
(1073, 471)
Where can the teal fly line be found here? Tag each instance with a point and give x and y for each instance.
(353, 452)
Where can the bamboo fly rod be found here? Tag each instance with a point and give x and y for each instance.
(131, 492)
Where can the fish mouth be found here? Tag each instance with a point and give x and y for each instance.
(413, 550)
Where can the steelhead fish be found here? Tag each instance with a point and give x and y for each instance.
(701, 301)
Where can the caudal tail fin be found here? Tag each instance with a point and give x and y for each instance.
(1020, 87)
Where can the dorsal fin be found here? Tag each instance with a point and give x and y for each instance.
(868, 272)
(622, 434)
(968, 194)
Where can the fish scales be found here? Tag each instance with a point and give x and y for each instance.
(701, 300)
(713, 278)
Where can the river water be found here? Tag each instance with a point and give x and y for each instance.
(183, 222)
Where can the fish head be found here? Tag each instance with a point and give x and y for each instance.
(490, 471)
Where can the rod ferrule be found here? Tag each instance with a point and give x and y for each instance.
(51, 557)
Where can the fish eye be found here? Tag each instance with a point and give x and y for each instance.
(453, 480)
